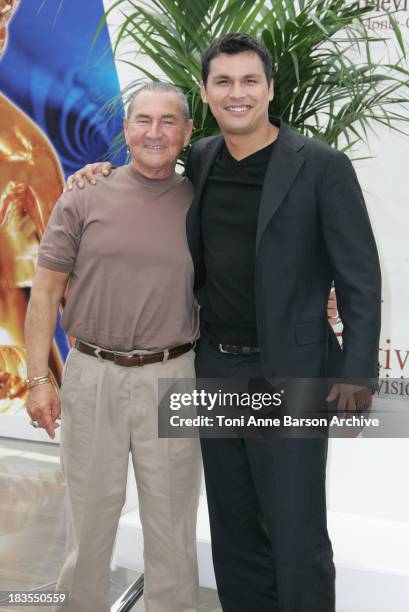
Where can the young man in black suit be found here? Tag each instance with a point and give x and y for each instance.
(277, 217)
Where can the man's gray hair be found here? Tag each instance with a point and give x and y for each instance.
(160, 86)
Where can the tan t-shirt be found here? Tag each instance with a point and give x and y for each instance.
(124, 244)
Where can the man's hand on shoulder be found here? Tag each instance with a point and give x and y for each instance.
(88, 173)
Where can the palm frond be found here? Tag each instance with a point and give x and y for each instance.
(319, 89)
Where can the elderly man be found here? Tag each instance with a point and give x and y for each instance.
(122, 248)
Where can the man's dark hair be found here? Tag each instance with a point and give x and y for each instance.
(236, 42)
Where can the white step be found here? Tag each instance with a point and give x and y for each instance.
(371, 558)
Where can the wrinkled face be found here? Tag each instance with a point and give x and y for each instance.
(7, 8)
(237, 92)
(156, 132)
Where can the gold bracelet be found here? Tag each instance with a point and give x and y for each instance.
(37, 380)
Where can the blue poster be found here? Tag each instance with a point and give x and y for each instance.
(56, 84)
(53, 72)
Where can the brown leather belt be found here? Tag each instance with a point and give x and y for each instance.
(133, 360)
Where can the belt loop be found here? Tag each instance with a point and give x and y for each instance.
(165, 355)
(97, 351)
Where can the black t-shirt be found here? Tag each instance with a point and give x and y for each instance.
(230, 205)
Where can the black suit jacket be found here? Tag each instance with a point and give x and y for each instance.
(313, 228)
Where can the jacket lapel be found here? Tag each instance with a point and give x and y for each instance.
(207, 157)
(283, 167)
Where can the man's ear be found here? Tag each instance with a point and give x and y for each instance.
(188, 132)
(271, 90)
(125, 125)
(203, 92)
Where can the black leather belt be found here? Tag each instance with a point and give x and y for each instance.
(234, 349)
(132, 360)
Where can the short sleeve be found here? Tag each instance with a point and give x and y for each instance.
(59, 245)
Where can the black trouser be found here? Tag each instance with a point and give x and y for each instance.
(267, 507)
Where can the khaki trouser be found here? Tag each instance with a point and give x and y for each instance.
(107, 412)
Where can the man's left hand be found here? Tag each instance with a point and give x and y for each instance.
(351, 398)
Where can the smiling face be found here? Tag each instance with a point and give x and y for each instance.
(156, 132)
(238, 93)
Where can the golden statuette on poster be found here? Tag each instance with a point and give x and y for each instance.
(31, 181)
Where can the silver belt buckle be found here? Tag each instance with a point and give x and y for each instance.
(221, 349)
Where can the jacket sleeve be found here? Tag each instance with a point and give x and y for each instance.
(188, 172)
(193, 227)
(355, 267)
